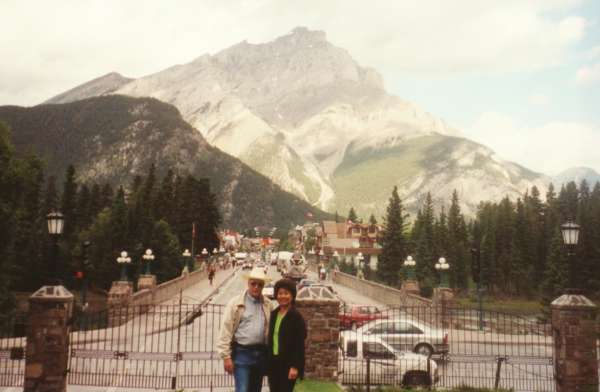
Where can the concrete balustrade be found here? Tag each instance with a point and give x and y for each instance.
(388, 295)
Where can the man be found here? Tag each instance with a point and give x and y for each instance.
(244, 331)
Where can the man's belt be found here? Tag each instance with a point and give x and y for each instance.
(250, 346)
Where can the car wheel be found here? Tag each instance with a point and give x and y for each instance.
(416, 379)
(424, 349)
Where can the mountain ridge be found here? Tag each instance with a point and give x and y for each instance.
(308, 107)
(113, 138)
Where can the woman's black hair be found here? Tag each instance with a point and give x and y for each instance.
(287, 284)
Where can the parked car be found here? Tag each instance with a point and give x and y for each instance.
(269, 290)
(304, 283)
(405, 334)
(387, 366)
(353, 315)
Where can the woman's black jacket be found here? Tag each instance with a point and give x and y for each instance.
(292, 333)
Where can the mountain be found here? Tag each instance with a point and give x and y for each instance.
(576, 174)
(302, 112)
(114, 138)
(100, 86)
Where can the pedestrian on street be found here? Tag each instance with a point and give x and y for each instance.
(211, 273)
(243, 339)
(287, 333)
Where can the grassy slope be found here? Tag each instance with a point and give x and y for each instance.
(355, 181)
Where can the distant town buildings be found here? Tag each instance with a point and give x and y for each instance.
(348, 239)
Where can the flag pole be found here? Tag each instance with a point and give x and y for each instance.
(193, 238)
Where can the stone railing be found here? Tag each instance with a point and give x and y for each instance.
(168, 289)
(388, 295)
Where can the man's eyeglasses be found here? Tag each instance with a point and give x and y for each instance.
(256, 284)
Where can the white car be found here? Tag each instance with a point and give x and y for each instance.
(269, 290)
(405, 334)
(385, 365)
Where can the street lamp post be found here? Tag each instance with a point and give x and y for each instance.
(320, 256)
(84, 270)
(204, 256)
(476, 255)
(359, 273)
(442, 266)
(187, 256)
(124, 259)
(570, 234)
(410, 264)
(336, 259)
(148, 258)
(55, 221)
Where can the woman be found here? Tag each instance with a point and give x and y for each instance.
(287, 332)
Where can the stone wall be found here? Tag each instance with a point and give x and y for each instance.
(48, 327)
(323, 326)
(575, 356)
(379, 292)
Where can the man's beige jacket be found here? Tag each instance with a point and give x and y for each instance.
(231, 320)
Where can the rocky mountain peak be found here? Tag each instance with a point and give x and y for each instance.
(302, 35)
(102, 85)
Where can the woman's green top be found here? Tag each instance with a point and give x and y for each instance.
(276, 333)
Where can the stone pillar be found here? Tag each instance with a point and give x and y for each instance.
(323, 326)
(146, 282)
(410, 287)
(574, 335)
(48, 327)
(443, 300)
(119, 298)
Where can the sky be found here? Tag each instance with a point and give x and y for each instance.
(519, 76)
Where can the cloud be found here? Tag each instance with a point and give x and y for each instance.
(538, 99)
(55, 45)
(588, 74)
(571, 29)
(594, 53)
(549, 148)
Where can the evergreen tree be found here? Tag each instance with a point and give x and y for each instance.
(458, 247)
(372, 220)
(29, 225)
(68, 203)
(165, 245)
(424, 242)
(95, 205)
(555, 277)
(84, 206)
(106, 198)
(393, 242)
(163, 208)
(352, 215)
(50, 197)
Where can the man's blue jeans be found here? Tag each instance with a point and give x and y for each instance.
(249, 366)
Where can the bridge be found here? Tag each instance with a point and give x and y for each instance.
(166, 339)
